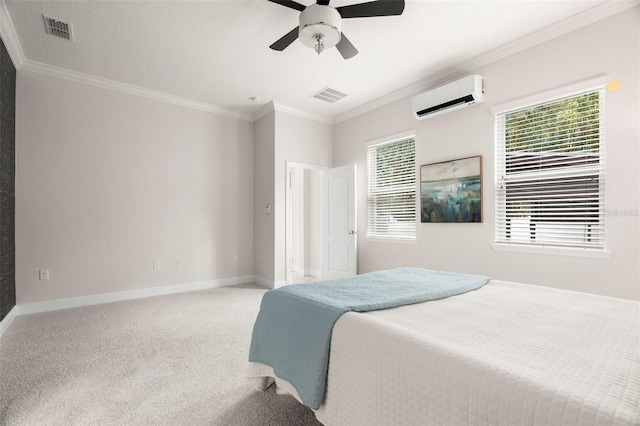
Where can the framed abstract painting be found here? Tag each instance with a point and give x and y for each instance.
(451, 191)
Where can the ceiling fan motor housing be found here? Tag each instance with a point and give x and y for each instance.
(318, 19)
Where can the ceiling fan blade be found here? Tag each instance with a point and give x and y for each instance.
(346, 49)
(372, 8)
(323, 2)
(290, 3)
(286, 40)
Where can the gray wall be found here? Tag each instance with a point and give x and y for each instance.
(280, 137)
(610, 46)
(7, 182)
(264, 147)
(108, 182)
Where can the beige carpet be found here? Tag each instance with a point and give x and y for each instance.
(168, 360)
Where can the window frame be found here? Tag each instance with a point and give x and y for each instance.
(395, 138)
(576, 89)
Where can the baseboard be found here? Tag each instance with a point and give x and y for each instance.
(8, 319)
(296, 269)
(263, 282)
(312, 273)
(306, 272)
(76, 302)
(269, 284)
(279, 284)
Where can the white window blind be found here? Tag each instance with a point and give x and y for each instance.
(550, 167)
(391, 190)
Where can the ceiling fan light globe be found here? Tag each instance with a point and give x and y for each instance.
(323, 20)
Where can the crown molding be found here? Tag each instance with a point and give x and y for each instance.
(597, 13)
(263, 111)
(573, 23)
(10, 37)
(78, 77)
(590, 16)
(316, 117)
(277, 106)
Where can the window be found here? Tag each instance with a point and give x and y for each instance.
(550, 169)
(391, 189)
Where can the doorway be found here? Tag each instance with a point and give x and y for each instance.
(303, 223)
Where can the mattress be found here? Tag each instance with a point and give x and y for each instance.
(292, 332)
(507, 353)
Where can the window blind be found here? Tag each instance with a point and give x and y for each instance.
(550, 170)
(391, 190)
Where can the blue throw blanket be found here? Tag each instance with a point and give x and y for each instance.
(292, 333)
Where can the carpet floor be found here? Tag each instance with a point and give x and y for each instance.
(169, 360)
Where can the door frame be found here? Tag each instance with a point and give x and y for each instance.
(287, 197)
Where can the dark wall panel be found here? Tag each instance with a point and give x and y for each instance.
(7, 182)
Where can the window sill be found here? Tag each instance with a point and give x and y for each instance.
(552, 251)
(390, 240)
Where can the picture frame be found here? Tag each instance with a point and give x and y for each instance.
(451, 191)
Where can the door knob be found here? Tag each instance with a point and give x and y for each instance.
(352, 232)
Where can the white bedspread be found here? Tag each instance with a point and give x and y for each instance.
(504, 354)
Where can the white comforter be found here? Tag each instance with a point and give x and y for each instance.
(504, 354)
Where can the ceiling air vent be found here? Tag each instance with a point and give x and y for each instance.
(57, 28)
(329, 95)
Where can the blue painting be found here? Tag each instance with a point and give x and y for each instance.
(451, 191)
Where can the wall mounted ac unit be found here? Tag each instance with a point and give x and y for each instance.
(450, 97)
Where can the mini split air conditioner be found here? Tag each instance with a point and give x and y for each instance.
(450, 97)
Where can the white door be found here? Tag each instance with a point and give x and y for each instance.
(339, 222)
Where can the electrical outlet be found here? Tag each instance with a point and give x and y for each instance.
(235, 258)
(44, 274)
(178, 263)
(156, 265)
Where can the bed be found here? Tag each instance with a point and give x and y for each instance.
(506, 353)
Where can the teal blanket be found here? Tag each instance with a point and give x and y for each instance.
(292, 333)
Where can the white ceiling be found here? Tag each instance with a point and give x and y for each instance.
(217, 52)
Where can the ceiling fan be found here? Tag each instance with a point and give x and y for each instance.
(320, 23)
